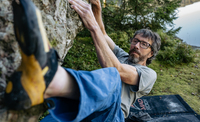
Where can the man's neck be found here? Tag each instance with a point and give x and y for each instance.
(142, 63)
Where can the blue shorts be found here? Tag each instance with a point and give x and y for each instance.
(100, 98)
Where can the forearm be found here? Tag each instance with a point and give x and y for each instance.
(96, 9)
(104, 53)
(107, 58)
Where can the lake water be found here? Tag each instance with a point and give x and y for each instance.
(189, 20)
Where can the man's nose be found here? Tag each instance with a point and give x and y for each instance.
(137, 45)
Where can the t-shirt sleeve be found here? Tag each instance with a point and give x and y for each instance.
(147, 78)
(119, 53)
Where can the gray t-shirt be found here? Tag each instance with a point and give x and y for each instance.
(130, 93)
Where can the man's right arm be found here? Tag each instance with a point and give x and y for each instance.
(105, 55)
(96, 9)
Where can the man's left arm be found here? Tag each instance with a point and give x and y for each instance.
(105, 55)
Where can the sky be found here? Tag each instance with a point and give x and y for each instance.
(189, 9)
(189, 20)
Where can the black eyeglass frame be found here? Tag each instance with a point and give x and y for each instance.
(148, 45)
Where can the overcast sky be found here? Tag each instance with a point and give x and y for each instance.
(189, 20)
(189, 9)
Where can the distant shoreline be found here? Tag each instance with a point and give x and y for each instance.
(195, 47)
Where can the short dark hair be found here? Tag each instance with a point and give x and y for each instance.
(156, 41)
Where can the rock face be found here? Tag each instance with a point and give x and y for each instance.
(61, 24)
(188, 2)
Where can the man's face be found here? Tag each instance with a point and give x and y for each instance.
(137, 54)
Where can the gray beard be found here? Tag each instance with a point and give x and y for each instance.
(134, 60)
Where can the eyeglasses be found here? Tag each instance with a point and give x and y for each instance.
(143, 44)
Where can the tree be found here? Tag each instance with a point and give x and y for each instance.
(137, 14)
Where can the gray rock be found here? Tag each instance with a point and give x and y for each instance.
(61, 24)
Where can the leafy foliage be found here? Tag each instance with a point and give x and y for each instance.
(121, 38)
(113, 17)
(82, 56)
(173, 51)
(137, 14)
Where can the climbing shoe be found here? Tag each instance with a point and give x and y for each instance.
(27, 84)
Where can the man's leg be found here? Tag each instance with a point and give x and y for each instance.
(62, 85)
(99, 98)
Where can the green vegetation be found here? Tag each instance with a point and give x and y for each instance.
(53, 42)
(82, 56)
(173, 51)
(182, 79)
(137, 14)
(43, 115)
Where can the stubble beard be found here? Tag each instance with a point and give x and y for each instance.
(132, 58)
(136, 60)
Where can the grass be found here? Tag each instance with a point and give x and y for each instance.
(43, 115)
(181, 79)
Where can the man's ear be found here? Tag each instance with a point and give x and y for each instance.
(151, 54)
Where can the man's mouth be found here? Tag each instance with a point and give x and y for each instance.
(134, 52)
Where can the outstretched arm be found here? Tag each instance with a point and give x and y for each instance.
(96, 9)
(105, 55)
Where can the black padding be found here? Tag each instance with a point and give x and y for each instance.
(165, 108)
